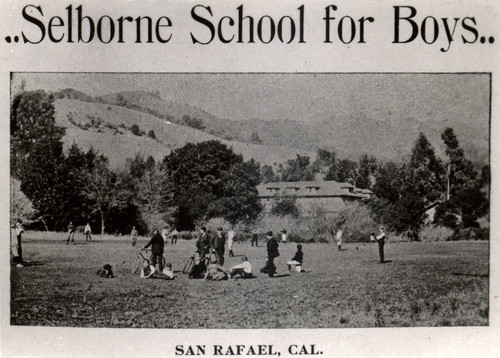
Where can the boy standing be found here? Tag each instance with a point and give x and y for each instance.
(217, 244)
(71, 233)
(87, 232)
(230, 238)
(338, 239)
(272, 252)
(157, 245)
(381, 242)
(133, 233)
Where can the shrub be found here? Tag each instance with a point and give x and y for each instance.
(214, 223)
(435, 233)
(285, 205)
(356, 222)
(186, 235)
(134, 128)
(152, 134)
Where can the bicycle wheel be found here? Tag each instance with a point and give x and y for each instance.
(136, 264)
(189, 264)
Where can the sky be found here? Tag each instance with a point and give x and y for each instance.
(296, 96)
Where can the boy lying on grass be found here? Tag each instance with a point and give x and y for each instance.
(216, 273)
(148, 271)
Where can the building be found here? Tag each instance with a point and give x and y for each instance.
(330, 195)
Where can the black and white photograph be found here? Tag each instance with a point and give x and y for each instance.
(185, 200)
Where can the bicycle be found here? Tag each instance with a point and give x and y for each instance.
(141, 259)
(207, 260)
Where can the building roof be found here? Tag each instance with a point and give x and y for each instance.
(328, 188)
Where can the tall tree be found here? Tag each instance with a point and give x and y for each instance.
(202, 179)
(36, 148)
(465, 200)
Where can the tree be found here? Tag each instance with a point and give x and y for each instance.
(134, 128)
(343, 171)
(425, 172)
(21, 208)
(297, 169)
(324, 160)
(285, 205)
(267, 174)
(152, 134)
(207, 179)
(33, 128)
(254, 138)
(465, 201)
(36, 148)
(102, 187)
(366, 168)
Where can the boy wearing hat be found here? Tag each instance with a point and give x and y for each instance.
(272, 252)
(296, 260)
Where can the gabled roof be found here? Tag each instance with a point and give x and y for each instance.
(328, 188)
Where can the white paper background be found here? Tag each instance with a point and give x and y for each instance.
(378, 54)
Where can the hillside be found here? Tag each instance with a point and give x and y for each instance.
(106, 128)
(388, 137)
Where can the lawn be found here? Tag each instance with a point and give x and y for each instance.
(424, 284)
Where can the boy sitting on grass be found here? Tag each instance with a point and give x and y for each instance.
(244, 269)
(148, 271)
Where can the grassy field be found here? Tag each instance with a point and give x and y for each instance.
(424, 284)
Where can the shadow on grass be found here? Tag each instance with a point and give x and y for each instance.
(281, 275)
(470, 274)
(34, 263)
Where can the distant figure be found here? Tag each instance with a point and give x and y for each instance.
(216, 272)
(218, 243)
(87, 232)
(244, 269)
(174, 235)
(272, 253)
(255, 238)
(381, 242)
(16, 244)
(164, 234)
(203, 243)
(338, 239)
(283, 236)
(296, 260)
(230, 238)
(157, 245)
(71, 233)
(133, 233)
